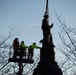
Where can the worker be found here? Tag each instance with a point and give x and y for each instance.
(23, 49)
(15, 47)
(31, 50)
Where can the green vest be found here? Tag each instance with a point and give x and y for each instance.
(22, 45)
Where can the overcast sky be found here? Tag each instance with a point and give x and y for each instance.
(27, 17)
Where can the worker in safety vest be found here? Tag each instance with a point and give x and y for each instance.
(31, 50)
(23, 49)
(15, 47)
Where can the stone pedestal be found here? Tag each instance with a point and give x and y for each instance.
(47, 69)
(47, 64)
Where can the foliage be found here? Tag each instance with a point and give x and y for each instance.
(68, 47)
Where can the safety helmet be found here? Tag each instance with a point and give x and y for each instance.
(16, 38)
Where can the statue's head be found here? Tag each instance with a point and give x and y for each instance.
(46, 16)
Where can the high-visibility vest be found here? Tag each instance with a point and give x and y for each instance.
(22, 45)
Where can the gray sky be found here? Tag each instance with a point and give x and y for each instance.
(27, 17)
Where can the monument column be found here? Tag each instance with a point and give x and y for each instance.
(47, 64)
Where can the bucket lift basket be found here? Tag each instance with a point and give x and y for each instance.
(18, 59)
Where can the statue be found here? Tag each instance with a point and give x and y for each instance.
(47, 36)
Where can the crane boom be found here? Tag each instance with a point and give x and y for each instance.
(46, 11)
